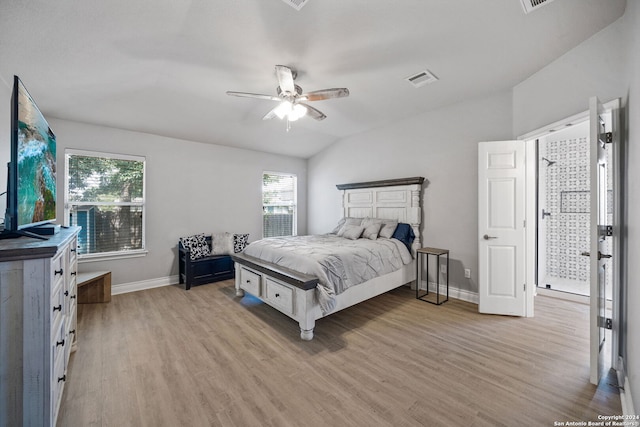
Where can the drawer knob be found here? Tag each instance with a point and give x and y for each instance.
(56, 272)
(58, 343)
(62, 378)
(73, 332)
(73, 296)
(277, 295)
(73, 249)
(73, 273)
(58, 308)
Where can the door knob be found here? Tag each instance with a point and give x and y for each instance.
(487, 237)
(586, 253)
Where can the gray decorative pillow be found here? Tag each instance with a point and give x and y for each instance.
(240, 241)
(388, 228)
(346, 220)
(352, 232)
(196, 245)
(221, 244)
(372, 227)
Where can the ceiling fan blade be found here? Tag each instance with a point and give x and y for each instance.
(254, 95)
(319, 95)
(285, 79)
(313, 112)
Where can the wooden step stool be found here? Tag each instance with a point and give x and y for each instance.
(94, 287)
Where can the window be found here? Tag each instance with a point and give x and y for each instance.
(279, 204)
(104, 194)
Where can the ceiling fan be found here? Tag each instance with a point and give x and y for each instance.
(292, 102)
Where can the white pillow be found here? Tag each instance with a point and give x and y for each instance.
(221, 243)
(372, 227)
(346, 220)
(388, 227)
(352, 232)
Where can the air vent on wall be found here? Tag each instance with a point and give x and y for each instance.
(531, 5)
(422, 78)
(296, 4)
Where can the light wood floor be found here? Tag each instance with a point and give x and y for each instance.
(170, 357)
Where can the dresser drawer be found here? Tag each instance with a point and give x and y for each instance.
(58, 270)
(57, 307)
(250, 281)
(58, 380)
(59, 344)
(73, 250)
(279, 295)
(70, 335)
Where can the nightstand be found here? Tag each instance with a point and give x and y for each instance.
(420, 255)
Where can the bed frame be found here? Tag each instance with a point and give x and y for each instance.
(293, 293)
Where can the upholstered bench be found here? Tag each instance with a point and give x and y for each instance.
(202, 261)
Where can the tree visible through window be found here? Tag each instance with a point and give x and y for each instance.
(279, 204)
(105, 196)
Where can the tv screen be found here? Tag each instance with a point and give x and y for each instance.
(33, 164)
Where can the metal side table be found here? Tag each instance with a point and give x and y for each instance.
(419, 262)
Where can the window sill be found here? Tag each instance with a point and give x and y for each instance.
(111, 256)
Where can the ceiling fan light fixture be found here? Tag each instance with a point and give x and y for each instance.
(290, 111)
(297, 111)
(283, 109)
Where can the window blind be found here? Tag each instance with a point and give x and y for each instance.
(105, 196)
(278, 204)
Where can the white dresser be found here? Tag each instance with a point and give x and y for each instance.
(38, 318)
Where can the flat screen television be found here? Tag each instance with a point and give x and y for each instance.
(31, 180)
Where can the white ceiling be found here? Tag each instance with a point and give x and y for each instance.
(163, 66)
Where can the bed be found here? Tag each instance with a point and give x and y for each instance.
(305, 291)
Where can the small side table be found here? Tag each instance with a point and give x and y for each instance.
(419, 261)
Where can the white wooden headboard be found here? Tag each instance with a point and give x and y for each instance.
(398, 199)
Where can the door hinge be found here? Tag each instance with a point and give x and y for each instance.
(608, 137)
(605, 322)
(605, 230)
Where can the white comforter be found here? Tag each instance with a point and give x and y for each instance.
(339, 263)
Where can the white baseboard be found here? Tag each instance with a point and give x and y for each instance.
(124, 288)
(455, 292)
(626, 399)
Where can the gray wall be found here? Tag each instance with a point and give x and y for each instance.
(607, 66)
(440, 145)
(191, 188)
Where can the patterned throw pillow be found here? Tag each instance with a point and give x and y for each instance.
(240, 241)
(196, 245)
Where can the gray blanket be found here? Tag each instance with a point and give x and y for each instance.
(338, 263)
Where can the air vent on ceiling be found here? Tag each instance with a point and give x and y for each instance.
(531, 5)
(296, 4)
(422, 78)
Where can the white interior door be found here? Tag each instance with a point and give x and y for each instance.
(598, 222)
(501, 215)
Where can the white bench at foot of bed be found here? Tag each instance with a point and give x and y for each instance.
(293, 293)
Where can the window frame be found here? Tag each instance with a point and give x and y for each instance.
(294, 225)
(102, 256)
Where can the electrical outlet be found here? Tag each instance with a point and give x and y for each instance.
(443, 269)
(467, 273)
